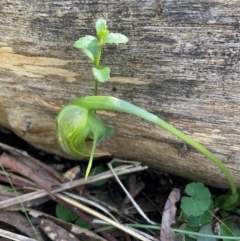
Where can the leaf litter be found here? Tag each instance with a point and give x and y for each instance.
(36, 183)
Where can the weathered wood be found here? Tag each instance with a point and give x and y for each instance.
(182, 63)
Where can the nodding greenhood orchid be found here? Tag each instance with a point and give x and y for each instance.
(79, 130)
(77, 122)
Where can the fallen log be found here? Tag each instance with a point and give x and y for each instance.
(181, 63)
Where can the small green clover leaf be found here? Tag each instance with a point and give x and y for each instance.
(97, 170)
(198, 221)
(101, 28)
(115, 38)
(65, 213)
(83, 224)
(199, 200)
(89, 45)
(101, 73)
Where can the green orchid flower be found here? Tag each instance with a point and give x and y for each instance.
(79, 131)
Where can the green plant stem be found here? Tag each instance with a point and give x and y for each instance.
(94, 103)
(96, 88)
(154, 227)
(96, 64)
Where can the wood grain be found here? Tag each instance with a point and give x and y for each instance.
(182, 63)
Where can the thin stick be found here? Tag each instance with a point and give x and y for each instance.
(129, 196)
(65, 186)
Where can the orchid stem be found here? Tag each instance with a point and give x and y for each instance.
(94, 103)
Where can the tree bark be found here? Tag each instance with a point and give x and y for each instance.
(181, 63)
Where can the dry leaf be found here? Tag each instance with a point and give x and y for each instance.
(169, 216)
(55, 232)
(80, 233)
(20, 222)
(71, 174)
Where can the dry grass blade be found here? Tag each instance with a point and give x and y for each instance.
(65, 186)
(100, 216)
(13, 236)
(79, 232)
(91, 203)
(144, 234)
(128, 195)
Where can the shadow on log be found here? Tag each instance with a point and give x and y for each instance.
(182, 64)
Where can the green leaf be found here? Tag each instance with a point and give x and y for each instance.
(101, 28)
(91, 53)
(86, 42)
(229, 228)
(198, 221)
(199, 200)
(101, 73)
(115, 38)
(228, 201)
(207, 229)
(97, 170)
(71, 121)
(65, 213)
(123, 176)
(89, 45)
(82, 223)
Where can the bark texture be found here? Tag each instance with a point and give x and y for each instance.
(182, 64)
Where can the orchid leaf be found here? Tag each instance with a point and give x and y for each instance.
(115, 38)
(101, 73)
(89, 45)
(86, 42)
